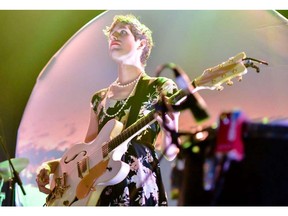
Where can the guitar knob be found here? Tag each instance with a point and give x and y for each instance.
(230, 60)
(66, 202)
(109, 168)
(229, 82)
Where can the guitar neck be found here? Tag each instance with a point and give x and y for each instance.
(129, 132)
(180, 94)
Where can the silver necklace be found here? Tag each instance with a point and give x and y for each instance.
(125, 102)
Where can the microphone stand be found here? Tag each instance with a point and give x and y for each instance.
(163, 107)
(15, 178)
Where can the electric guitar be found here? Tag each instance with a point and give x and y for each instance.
(87, 168)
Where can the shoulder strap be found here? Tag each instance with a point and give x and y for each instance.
(141, 92)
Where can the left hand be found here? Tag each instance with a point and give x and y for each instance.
(169, 147)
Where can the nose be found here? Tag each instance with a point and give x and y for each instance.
(114, 35)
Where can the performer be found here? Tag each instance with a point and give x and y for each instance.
(133, 93)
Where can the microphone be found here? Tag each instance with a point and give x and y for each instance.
(193, 100)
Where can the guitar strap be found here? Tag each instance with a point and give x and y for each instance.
(137, 100)
(141, 92)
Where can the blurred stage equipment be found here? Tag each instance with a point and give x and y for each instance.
(240, 163)
(2, 194)
(9, 169)
(5, 169)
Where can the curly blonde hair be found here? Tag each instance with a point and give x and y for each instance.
(139, 30)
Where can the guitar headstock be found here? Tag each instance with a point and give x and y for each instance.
(213, 78)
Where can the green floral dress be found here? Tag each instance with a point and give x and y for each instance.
(143, 186)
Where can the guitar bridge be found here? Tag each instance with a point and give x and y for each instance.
(59, 189)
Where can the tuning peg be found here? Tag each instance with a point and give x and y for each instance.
(219, 88)
(231, 60)
(229, 82)
(221, 65)
(240, 78)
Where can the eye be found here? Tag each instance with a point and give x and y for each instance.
(123, 32)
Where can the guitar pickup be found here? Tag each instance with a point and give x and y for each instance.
(83, 167)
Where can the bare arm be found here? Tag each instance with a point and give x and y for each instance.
(167, 147)
(92, 131)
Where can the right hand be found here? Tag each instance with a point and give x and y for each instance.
(42, 178)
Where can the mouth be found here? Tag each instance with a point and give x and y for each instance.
(114, 43)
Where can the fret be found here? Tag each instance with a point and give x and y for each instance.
(130, 131)
(105, 150)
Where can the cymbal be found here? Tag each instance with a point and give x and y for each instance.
(19, 164)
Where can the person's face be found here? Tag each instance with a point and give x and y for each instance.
(122, 44)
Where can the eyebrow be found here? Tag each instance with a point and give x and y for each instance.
(121, 26)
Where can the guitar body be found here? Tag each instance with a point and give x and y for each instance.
(84, 171)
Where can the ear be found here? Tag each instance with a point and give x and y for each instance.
(142, 44)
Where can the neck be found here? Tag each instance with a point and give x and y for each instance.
(128, 73)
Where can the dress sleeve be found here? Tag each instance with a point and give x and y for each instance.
(97, 98)
(168, 87)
